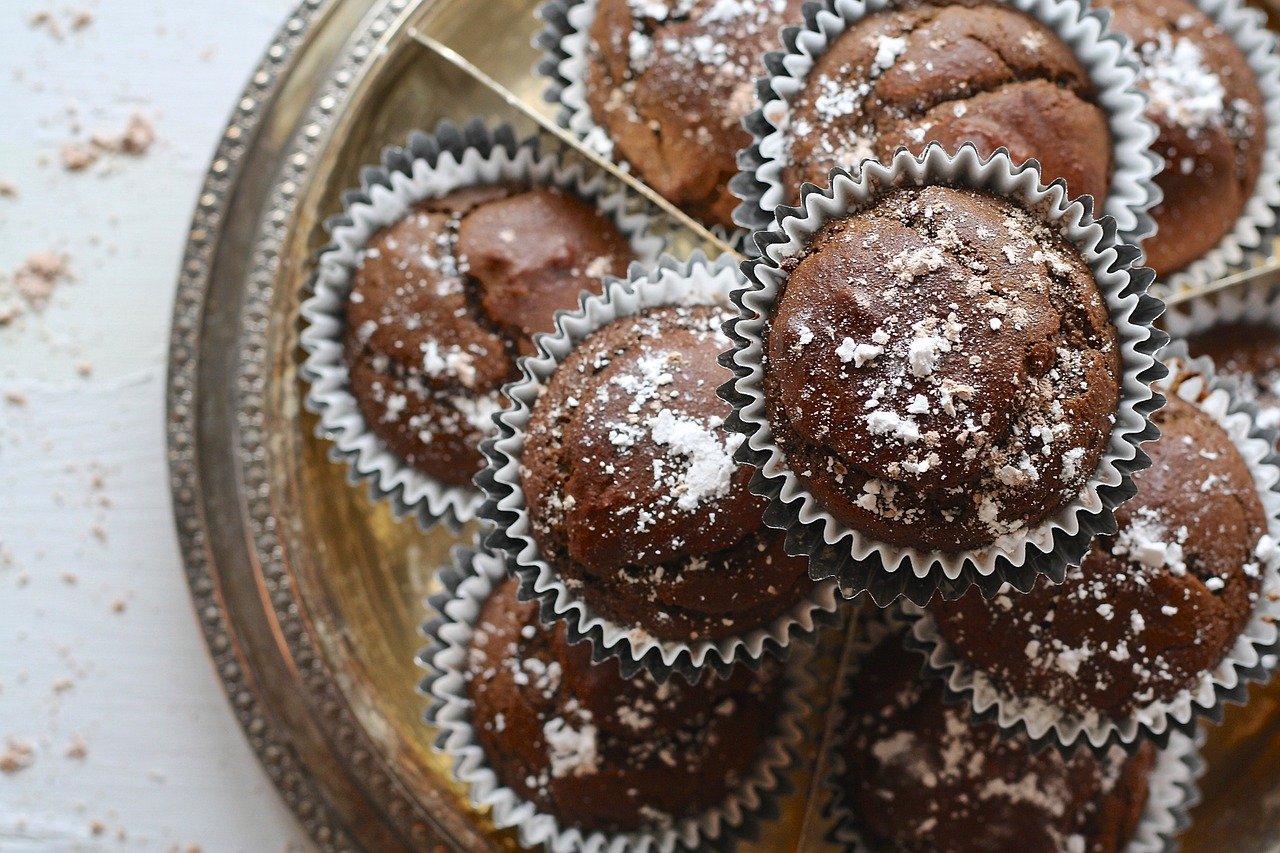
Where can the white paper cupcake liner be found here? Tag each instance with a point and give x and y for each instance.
(696, 281)
(429, 166)
(1260, 220)
(565, 42)
(1250, 659)
(859, 562)
(1172, 783)
(1111, 67)
(449, 631)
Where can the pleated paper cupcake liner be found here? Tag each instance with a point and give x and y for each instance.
(860, 562)
(1250, 659)
(1104, 55)
(1251, 237)
(564, 42)
(429, 166)
(696, 281)
(466, 586)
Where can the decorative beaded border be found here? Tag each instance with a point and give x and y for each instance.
(270, 742)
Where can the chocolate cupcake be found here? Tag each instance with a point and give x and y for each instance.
(634, 497)
(978, 72)
(614, 490)
(942, 368)
(862, 80)
(600, 752)
(444, 300)
(442, 268)
(1150, 609)
(915, 775)
(575, 755)
(669, 82)
(1207, 105)
(1162, 621)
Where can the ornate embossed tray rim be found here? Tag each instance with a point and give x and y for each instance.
(268, 529)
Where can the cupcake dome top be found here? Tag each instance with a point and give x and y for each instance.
(1207, 106)
(977, 72)
(597, 751)
(918, 776)
(632, 488)
(444, 300)
(1150, 609)
(941, 370)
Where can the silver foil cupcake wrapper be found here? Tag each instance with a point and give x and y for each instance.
(887, 572)
(1251, 235)
(696, 281)
(454, 611)
(1250, 659)
(564, 42)
(429, 166)
(1105, 56)
(1172, 789)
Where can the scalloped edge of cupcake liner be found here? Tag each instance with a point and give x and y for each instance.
(1172, 785)
(449, 628)
(1260, 219)
(885, 571)
(1112, 69)
(669, 282)
(429, 166)
(1245, 662)
(563, 41)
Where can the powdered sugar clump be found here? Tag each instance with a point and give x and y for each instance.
(705, 450)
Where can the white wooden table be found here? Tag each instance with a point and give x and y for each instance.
(106, 694)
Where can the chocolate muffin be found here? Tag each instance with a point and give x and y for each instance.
(599, 752)
(941, 370)
(918, 777)
(1153, 607)
(1249, 352)
(951, 73)
(670, 81)
(1205, 101)
(443, 302)
(633, 494)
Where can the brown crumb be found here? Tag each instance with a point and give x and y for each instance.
(15, 398)
(76, 156)
(62, 685)
(70, 578)
(97, 827)
(8, 189)
(35, 280)
(119, 605)
(17, 755)
(84, 367)
(135, 139)
(44, 20)
(77, 749)
(79, 19)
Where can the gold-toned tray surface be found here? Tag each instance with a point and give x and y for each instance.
(310, 594)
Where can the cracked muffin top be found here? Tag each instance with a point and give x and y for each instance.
(950, 73)
(941, 370)
(444, 301)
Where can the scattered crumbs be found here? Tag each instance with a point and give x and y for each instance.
(39, 275)
(134, 140)
(77, 156)
(61, 685)
(45, 20)
(17, 755)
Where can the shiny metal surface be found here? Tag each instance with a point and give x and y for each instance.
(309, 594)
